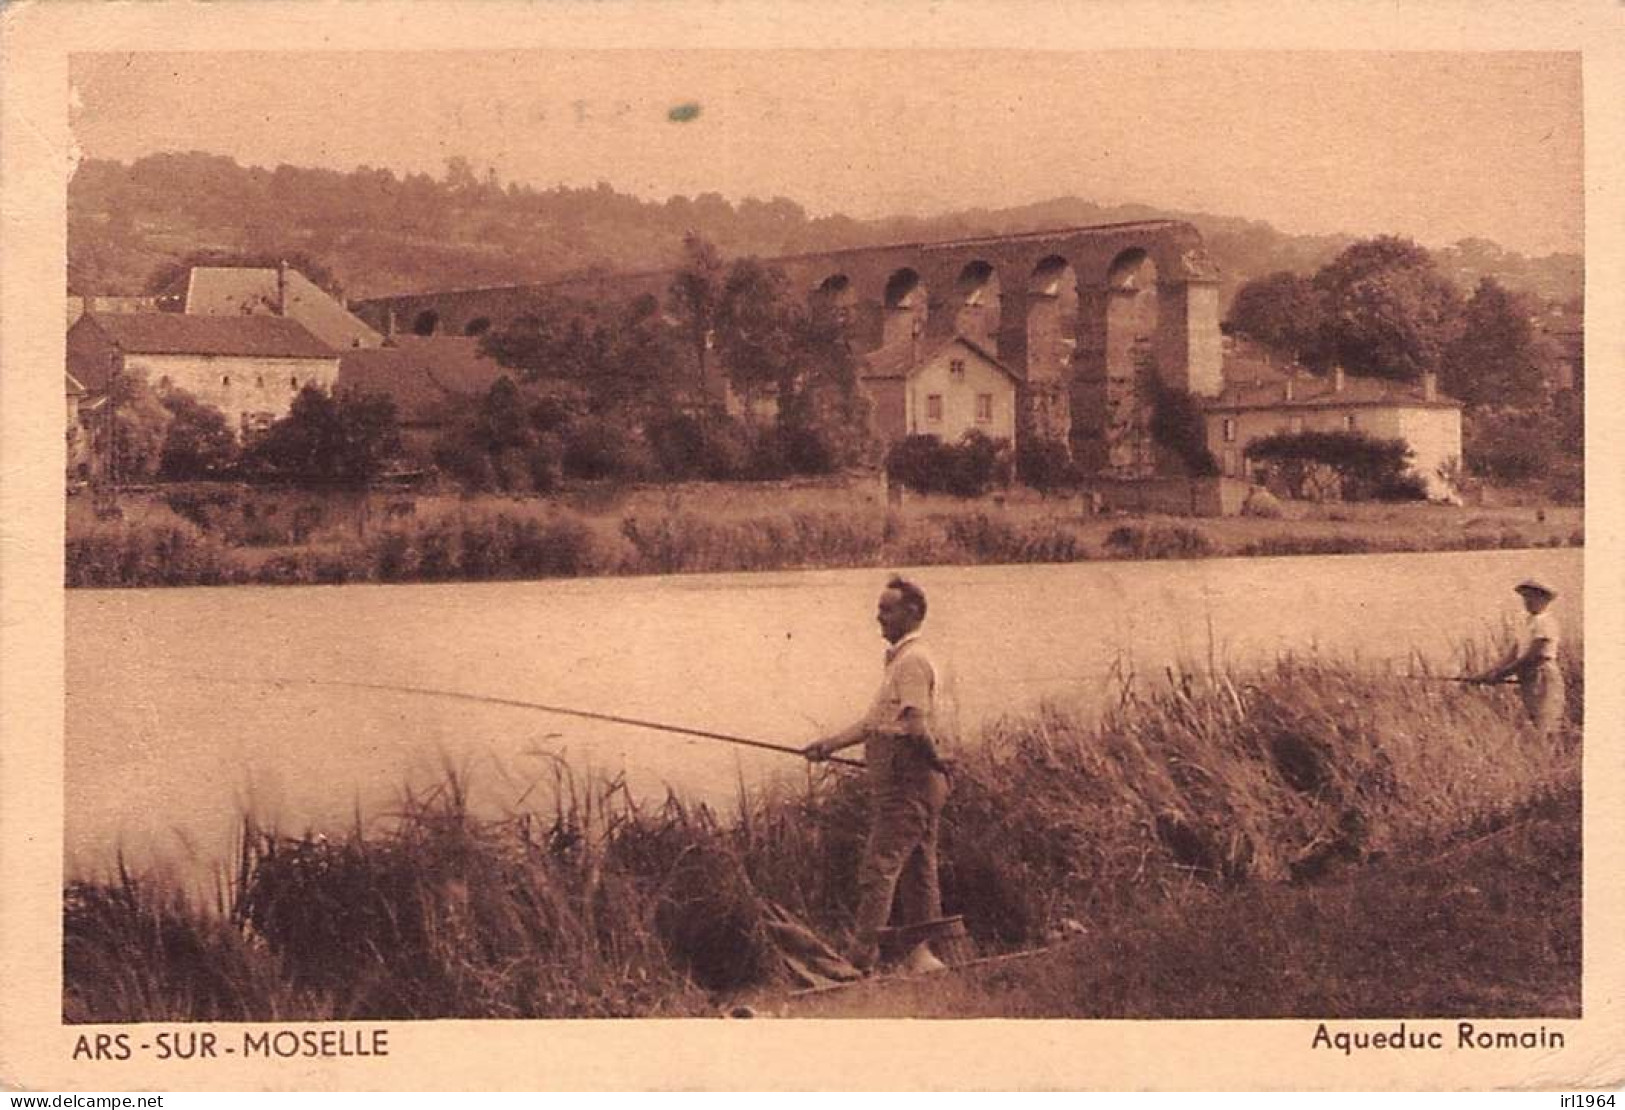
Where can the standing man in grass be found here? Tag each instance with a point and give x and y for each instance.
(1533, 661)
(908, 783)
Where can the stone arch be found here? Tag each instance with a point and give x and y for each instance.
(906, 307)
(836, 294)
(977, 304)
(426, 322)
(477, 326)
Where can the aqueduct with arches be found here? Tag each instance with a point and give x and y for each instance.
(1091, 319)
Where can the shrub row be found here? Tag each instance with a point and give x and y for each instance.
(520, 543)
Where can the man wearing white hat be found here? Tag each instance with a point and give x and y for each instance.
(1534, 660)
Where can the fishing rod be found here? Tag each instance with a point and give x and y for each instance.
(565, 711)
(1464, 681)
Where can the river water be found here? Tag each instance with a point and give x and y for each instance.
(187, 707)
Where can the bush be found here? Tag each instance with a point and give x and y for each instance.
(1158, 541)
(1364, 467)
(1261, 503)
(688, 446)
(968, 469)
(1045, 464)
(1178, 424)
(596, 448)
(159, 554)
(986, 539)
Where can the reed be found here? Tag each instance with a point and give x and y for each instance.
(581, 900)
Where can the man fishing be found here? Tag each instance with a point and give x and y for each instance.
(907, 783)
(1533, 660)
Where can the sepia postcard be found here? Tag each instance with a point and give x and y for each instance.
(936, 546)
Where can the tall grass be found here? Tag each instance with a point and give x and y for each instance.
(592, 902)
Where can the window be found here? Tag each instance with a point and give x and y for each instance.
(164, 382)
(933, 408)
(956, 367)
(1349, 422)
(1230, 429)
(259, 380)
(1296, 425)
(225, 379)
(293, 382)
(984, 408)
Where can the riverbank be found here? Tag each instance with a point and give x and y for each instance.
(1485, 926)
(1207, 802)
(224, 535)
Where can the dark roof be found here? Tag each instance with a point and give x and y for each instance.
(1312, 391)
(420, 373)
(245, 290)
(899, 360)
(171, 333)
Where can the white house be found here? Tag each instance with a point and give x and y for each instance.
(1291, 402)
(249, 367)
(942, 390)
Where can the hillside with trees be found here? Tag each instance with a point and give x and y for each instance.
(376, 232)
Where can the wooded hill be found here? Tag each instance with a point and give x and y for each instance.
(376, 232)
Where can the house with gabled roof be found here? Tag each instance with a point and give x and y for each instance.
(428, 378)
(249, 367)
(943, 389)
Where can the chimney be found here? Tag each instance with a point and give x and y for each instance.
(1337, 379)
(389, 322)
(282, 288)
(1430, 386)
(1287, 386)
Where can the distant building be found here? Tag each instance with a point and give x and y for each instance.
(270, 291)
(944, 390)
(426, 377)
(249, 367)
(78, 306)
(1262, 399)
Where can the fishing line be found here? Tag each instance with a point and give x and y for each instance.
(561, 710)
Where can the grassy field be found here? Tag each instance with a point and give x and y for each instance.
(212, 535)
(1310, 839)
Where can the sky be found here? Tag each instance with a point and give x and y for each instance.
(1437, 146)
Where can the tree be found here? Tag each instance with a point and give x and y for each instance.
(696, 291)
(1495, 359)
(614, 357)
(345, 441)
(1388, 312)
(199, 443)
(824, 418)
(1282, 312)
(137, 425)
(756, 331)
